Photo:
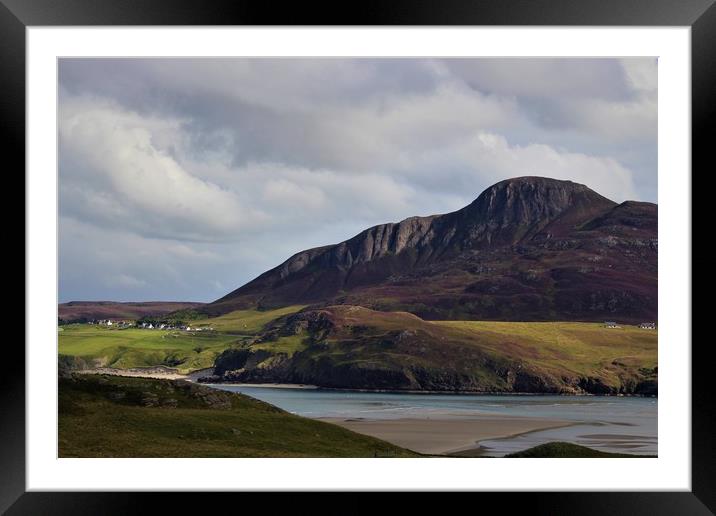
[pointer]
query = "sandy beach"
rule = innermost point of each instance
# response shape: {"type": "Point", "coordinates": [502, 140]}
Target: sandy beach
{"type": "Point", "coordinates": [166, 373]}
{"type": "Point", "coordinates": [149, 372]}
{"type": "Point", "coordinates": [458, 436]}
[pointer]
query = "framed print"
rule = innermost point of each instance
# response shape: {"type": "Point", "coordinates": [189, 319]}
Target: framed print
{"type": "Point", "coordinates": [413, 250]}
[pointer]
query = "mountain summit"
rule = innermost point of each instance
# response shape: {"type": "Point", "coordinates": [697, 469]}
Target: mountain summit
{"type": "Point", "coordinates": [528, 248]}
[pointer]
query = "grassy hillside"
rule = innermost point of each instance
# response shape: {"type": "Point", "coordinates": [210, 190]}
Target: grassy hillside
{"type": "Point", "coordinates": [355, 347]}
{"type": "Point", "coordinates": [247, 322]}
{"type": "Point", "coordinates": [568, 450]}
{"type": "Point", "coordinates": [577, 347]}
{"type": "Point", "coordinates": [136, 417]}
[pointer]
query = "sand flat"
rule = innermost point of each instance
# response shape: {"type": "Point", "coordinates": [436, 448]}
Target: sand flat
{"type": "Point", "coordinates": [444, 436]}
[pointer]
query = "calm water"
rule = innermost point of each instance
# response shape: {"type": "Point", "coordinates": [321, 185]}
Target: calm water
{"type": "Point", "coordinates": [627, 425]}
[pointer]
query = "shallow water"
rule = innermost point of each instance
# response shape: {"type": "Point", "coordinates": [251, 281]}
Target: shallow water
{"type": "Point", "coordinates": [617, 424]}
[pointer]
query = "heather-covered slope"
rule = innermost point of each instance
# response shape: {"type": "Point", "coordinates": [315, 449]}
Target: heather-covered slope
{"type": "Point", "coordinates": [526, 249]}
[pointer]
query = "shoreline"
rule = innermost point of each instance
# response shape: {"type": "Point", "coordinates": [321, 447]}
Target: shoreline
{"type": "Point", "coordinates": [443, 434]}
{"type": "Point", "coordinates": [156, 372]}
{"type": "Point", "coordinates": [299, 386]}
{"type": "Point", "coordinates": [434, 392]}
{"type": "Point", "coordinates": [167, 373]}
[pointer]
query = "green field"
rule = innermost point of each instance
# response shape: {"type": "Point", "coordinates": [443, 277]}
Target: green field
{"type": "Point", "coordinates": [101, 346]}
{"type": "Point", "coordinates": [246, 322]}
{"type": "Point", "coordinates": [137, 417]}
{"type": "Point", "coordinates": [578, 347]}
{"type": "Point", "coordinates": [132, 347]}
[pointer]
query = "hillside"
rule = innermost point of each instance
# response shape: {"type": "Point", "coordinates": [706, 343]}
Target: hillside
{"type": "Point", "coordinates": [527, 249]}
{"type": "Point", "coordinates": [358, 348]}
{"type": "Point", "coordinates": [103, 416]}
{"type": "Point", "coordinates": [86, 346]}
{"type": "Point", "coordinates": [83, 311]}
{"type": "Point", "coordinates": [508, 294]}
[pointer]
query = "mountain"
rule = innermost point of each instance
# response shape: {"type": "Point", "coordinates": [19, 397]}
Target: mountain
{"type": "Point", "coordinates": [527, 249]}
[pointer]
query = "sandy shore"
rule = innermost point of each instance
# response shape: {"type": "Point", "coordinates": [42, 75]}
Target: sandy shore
{"type": "Point", "coordinates": [154, 372]}
{"type": "Point", "coordinates": [446, 436]}
{"type": "Point", "coordinates": [167, 373]}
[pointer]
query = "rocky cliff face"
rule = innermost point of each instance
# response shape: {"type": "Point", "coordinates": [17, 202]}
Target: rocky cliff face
{"type": "Point", "coordinates": [526, 248]}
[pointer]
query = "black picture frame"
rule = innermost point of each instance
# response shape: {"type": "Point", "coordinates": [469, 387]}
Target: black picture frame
{"type": "Point", "coordinates": [700, 15]}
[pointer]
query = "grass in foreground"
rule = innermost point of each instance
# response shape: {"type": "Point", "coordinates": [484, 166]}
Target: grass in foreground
{"type": "Point", "coordinates": [560, 449]}
{"type": "Point", "coordinates": [109, 416]}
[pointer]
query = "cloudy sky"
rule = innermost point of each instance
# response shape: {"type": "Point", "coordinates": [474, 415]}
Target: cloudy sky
{"type": "Point", "coordinates": [182, 179]}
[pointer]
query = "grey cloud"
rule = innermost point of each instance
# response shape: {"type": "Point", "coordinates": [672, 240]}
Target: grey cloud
{"type": "Point", "coordinates": [545, 77]}
{"type": "Point", "coordinates": [180, 177]}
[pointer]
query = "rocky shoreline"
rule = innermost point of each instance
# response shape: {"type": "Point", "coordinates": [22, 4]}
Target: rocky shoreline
{"type": "Point", "coordinates": [162, 372]}
{"type": "Point", "coordinates": [216, 381]}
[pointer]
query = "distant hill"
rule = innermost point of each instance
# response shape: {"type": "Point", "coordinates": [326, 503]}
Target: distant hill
{"type": "Point", "coordinates": [357, 348]}
{"type": "Point", "coordinates": [82, 311]}
{"type": "Point", "coordinates": [527, 249]}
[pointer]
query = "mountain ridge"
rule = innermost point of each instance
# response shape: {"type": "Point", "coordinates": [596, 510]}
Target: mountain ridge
{"type": "Point", "coordinates": [550, 219]}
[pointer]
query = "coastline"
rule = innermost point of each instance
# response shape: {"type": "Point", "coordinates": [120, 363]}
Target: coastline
{"type": "Point", "coordinates": [299, 386]}
{"type": "Point", "coordinates": [445, 433]}
{"type": "Point", "coordinates": [167, 373]}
